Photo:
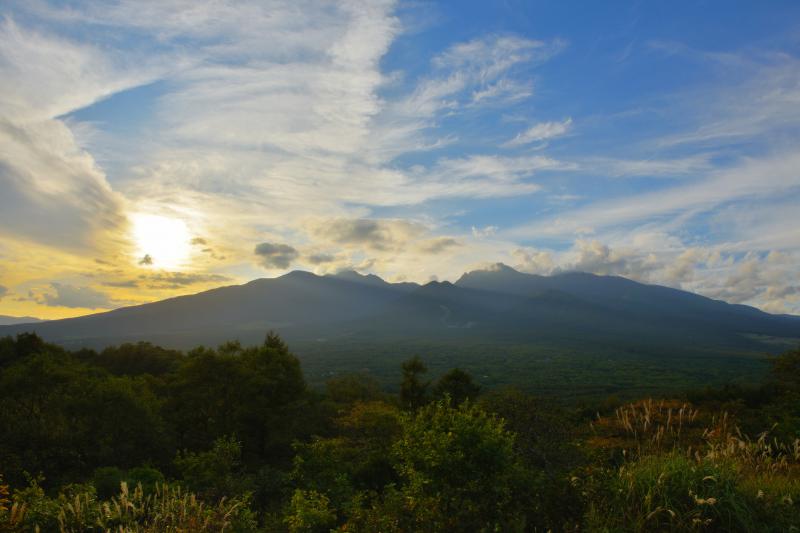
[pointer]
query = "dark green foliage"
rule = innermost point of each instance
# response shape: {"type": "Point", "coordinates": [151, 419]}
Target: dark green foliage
{"type": "Point", "coordinates": [107, 480]}
{"type": "Point", "coordinates": [413, 391]}
{"type": "Point", "coordinates": [457, 385]}
{"type": "Point", "coordinates": [215, 473]}
{"type": "Point", "coordinates": [237, 427]}
{"type": "Point", "coordinates": [546, 436]}
{"type": "Point", "coordinates": [252, 393]}
{"type": "Point", "coordinates": [786, 371]}
{"type": "Point", "coordinates": [459, 471]}
{"type": "Point", "coordinates": [134, 359]}
{"type": "Point", "coordinates": [350, 388]}
{"type": "Point", "coordinates": [65, 418]}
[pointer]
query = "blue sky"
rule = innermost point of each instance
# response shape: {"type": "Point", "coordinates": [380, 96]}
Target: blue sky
{"type": "Point", "coordinates": [415, 140]}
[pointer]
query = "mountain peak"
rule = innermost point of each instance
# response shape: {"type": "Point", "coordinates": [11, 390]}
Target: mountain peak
{"type": "Point", "coordinates": [298, 274]}
{"type": "Point", "coordinates": [496, 270]}
{"type": "Point", "coordinates": [356, 277]}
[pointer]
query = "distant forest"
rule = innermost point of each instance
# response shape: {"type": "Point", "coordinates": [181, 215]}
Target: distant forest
{"type": "Point", "coordinates": [138, 438]}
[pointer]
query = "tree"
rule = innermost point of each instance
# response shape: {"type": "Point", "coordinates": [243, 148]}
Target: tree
{"type": "Point", "coordinates": [458, 471]}
{"type": "Point", "coordinates": [786, 370]}
{"type": "Point", "coordinates": [458, 385]}
{"type": "Point", "coordinates": [215, 473]}
{"type": "Point", "coordinates": [412, 390]}
{"type": "Point", "coordinates": [253, 393]}
{"type": "Point", "coordinates": [64, 418]}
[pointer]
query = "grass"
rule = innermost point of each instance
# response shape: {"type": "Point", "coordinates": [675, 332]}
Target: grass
{"type": "Point", "coordinates": [167, 508]}
{"type": "Point", "coordinates": [684, 470]}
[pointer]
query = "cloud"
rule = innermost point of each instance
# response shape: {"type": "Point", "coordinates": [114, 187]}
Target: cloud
{"type": "Point", "coordinates": [320, 258]}
{"type": "Point", "coordinates": [540, 132]}
{"type": "Point", "coordinates": [76, 297]}
{"type": "Point", "coordinates": [122, 284]}
{"type": "Point", "coordinates": [771, 176]}
{"type": "Point", "coordinates": [374, 234]}
{"type": "Point", "coordinates": [198, 241]}
{"type": "Point", "coordinates": [533, 261]}
{"type": "Point", "coordinates": [437, 245]}
{"type": "Point", "coordinates": [477, 71]}
{"type": "Point", "coordinates": [146, 260]}
{"type": "Point", "coordinates": [51, 190]}
{"type": "Point", "coordinates": [175, 280]}
{"type": "Point", "coordinates": [276, 255]}
{"type": "Point", "coordinates": [3, 291]}
{"type": "Point", "coordinates": [658, 167]}
{"type": "Point", "coordinates": [486, 231]}
{"type": "Point", "coordinates": [167, 280]}
{"type": "Point", "coordinates": [53, 75]}
{"type": "Point", "coordinates": [766, 280]}
{"type": "Point", "coordinates": [756, 99]}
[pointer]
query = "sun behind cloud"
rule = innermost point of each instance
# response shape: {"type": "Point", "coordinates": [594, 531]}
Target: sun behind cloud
{"type": "Point", "coordinates": [161, 241]}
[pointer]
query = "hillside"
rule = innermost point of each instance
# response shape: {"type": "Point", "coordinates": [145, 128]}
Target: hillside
{"type": "Point", "coordinates": [507, 326]}
{"type": "Point", "coordinates": [499, 303]}
{"type": "Point", "coordinates": [6, 320]}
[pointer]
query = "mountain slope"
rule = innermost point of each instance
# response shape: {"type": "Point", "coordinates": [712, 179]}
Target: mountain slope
{"type": "Point", "coordinates": [621, 295]}
{"type": "Point", "coordinates": [495, 305]}
{"type": "Point", "coordinates": [6, 320]}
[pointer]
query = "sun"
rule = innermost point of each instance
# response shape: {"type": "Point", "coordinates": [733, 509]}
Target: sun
{"type": "Point", "coordinates": [164, 240]}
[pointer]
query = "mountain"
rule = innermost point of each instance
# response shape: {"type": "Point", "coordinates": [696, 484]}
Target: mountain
{"type": "Point", "coordinates": [508, 326]}
{"type": "Point", "coordinates": [626, 297]}
{"type": "Point", "coordinates": [499, 302]}
{"type": "Point", "coordinates": [6, 320]}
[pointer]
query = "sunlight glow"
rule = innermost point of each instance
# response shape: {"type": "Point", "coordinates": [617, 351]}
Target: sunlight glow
{"type": "Point", "coordinates": [165, 240]}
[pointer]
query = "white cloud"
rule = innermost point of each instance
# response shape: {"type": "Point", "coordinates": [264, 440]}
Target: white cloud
{"type": "Point", "coordinates": [540, 132]}
{"type": "Point", "coordinates": [760, 178]}
{"type": "Point", "coordinates": [486, 231]}
{"type": "Point", "coordinates": [696, 165]}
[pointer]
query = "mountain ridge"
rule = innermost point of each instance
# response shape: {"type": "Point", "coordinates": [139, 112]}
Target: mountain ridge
{"type": "Point", "coordinates": [499, 302]}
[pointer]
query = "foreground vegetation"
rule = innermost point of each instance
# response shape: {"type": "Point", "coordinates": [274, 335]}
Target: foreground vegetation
{"type": "Point", "coordinates": [141, 439]}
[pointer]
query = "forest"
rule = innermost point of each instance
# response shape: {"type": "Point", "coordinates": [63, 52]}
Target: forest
{"type": "Point", "coordinates": [139, 438]}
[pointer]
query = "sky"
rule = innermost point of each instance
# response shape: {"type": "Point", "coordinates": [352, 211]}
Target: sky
{"type": "Point", "coordinates": [151, 149]}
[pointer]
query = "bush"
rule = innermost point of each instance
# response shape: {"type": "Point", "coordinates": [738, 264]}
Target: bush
{"type": "Point", "coordinates": [310, 512]}
{"type": "Point", "coordinates": [459, 471]}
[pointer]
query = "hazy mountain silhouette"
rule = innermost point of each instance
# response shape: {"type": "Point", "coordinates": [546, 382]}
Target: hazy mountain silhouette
{"type": "Point", "coordinates": [6, 320]}
{"type": "Point", "coordinates": [497, 304]}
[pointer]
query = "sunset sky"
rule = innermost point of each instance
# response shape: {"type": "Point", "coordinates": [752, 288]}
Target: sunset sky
{"type": "Point", "coordinates": [150, 149]}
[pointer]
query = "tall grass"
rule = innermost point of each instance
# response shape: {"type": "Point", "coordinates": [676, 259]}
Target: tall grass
{"type": "Point", "coordinates": [679, 476]}
{"type": "Point", "coordinates": [168, 508]}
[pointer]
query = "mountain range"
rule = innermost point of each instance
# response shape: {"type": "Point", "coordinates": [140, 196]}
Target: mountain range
{"type": "Point", "coordinates": [498, 304]}
{"type": "Point", "coordinates": [6, 320]}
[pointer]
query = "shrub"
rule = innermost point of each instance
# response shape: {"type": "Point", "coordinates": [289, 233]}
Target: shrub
{"type": "Point", "coordinates": [310, 512]}
{"type": "Point", "coordinates": [459, 471]}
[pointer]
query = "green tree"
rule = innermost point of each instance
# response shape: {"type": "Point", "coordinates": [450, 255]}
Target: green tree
{"type": "Point", "coordinates": [65, 419]}
{"type": "Point", "coordinates": [215, 473]}
{"type": "Point", "coordinates": [458, 385]}
{"type": "Point", "coordinates": [355, 462]}
{"type": "Point", "coordinates": [786, 371]}
{"type": "Point", "coordinates": [458, 471]}
{"type": "Point", "coordinates": [413, 392]}
{"type": "Point", "coordinates": [254, 393]}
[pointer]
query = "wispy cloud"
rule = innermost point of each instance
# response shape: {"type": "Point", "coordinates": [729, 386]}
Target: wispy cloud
{"type": "Point", "coordinates": [540, 132]}
{"type": "Point", "coordinates": [324, 139]}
